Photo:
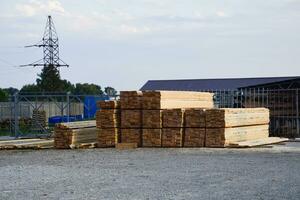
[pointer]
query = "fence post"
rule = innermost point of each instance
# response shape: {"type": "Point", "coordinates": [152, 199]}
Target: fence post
{"type": "Point", "coordinates": [68, 106]}
{"type": "Point", "coordinates": [16, 114]}
{"type": "Point", "coordinates": [297, 111]}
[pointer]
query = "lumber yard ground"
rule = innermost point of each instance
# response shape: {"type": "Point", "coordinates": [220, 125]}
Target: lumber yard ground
{"type": "Point", "coordinates": [257, 173]}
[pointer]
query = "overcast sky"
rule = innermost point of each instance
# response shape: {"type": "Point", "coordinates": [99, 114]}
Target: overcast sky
{"type": "Point", "coordinates": [124, 43]}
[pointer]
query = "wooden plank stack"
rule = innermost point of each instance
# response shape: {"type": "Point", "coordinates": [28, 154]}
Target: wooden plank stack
{"type": "Point", "coordinates": [131, 117]}
{"type": "Point", "coordinates": [194, 132]}
{"type": "Point", "coordinates": [108, 120]}
{"type": "Point", "coordinates": [172, 133]}
{"type": "Point", "coordinates": [72, 134]}
{"type": "Point", "coordinates": [163, 115]}
{"type": "Point", "coordinates": [176, 99]}
{"type": "Point", "coordinates": [230, 125]}
{"type": "Point", "coordinates": [177, 119]}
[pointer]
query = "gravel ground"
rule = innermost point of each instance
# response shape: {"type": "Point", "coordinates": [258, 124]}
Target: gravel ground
{"type": "Point", "coordinates": [261, 173]}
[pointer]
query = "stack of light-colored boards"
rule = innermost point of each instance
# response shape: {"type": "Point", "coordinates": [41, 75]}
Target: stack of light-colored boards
{"type": "Point", "coordinates": [231, 125]}
{"type": "Point", "coordinates": [75, 134]}
{"type": "Point", "coordinates": [108, 123]}
{"type": "Point", "coordinates": [131, 117]}
{"type": "Point", "coordinates": [163, 115]}
{"type": "Point", "coordinates": [176, 99]}
{"type": "Point", "coordinates": [26, 144]}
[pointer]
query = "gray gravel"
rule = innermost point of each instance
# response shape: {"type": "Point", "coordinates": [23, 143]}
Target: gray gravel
{"type": "Point", "coordinates": [263, 173]}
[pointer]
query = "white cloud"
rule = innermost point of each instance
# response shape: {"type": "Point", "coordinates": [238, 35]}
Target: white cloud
{"type": "Point", "coordinates": [221, 13]}
{"type": "Point", "coordinates": [134, 29]}
{"type": "Point", "coordinates": [35, 7]}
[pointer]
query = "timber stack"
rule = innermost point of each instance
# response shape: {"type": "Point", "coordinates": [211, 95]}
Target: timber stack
{"type": "Point", "coordinates": [131, 117]}
{"type": "Point", "coordinates": [194, 131]}
{"type": "Point", "coordinates": [75, 134]}
{"type": "Point", "coordinates": [231, 125]}
{"type": "Point", "coordinates": [108, 123]}
{"type": "Point", "coordinates": [178, 119]}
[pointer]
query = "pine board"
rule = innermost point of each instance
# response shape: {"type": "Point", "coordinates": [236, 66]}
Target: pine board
{"type": "Point", "coordinates": [221, 137]}
{"type": "Point", "coordinates": [233, 117]}
{"type": "Point", "coordinates": [176, 99]}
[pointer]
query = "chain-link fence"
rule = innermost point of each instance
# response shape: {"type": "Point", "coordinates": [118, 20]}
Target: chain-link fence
{"type": "Point", "coordinates": [27, 114]}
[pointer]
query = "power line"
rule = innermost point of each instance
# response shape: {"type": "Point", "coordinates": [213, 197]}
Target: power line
{"type": "Point", "coordinates": [50, 48]}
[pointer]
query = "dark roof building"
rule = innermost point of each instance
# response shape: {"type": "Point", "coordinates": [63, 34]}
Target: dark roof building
{"type": "Point", "coordinates": [223, 84]}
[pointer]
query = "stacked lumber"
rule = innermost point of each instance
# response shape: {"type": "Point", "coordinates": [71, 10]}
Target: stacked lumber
{"type": "Point", "coordinates": [131, 117]}
{"type": "Point", "coordinates": [73, 134]}
{"type": "Point", "coordinates": [152, 137]}
{"type": "Point", "coordinates": [231, 117]}
{"type": "Point", "coordinates": [176, 99]}
{"type": "Point", "coordinates": [152, 119]}
{"type": "Point", "coordinates": [194, 131]}
{"type": "Point", "coordinates": [111, 104]}
{"type": "Point", "coordinates": [38, 119]}
{"type": "Point", "coordinates": [131, 135]}
{"type": "Point", "coordinates": [172, 133]}
{"type": "Point", "coordinates": [222, 137]}
{"type": "Point", "coordinates": [152, 128]}
{"type": "Point", "coordinates": [26, 144]}
{"type": "Point", "coordinates": [131, 100]}
{"type": "Point", "coordinates": [108, 120]}
{"type": "Point", "coordinates": [194, 137]}
{"type": "Point", "coordinates": [231, 125]}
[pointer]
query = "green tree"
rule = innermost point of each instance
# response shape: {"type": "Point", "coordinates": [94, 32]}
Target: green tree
{"type": "Point", "coordinates": [68, 86]}
{"type": "Point", "coordinates": [110, 91]}
{"type": "Point", "coordinates": [11, 90]}
{"type": "Point", "coordinates": [30, 88]}
{"type": "Point", "coordinates": [3, 95]}
{"type": "Point", "coordinates": [49, 80]}
{"type": "Point", "coordinates": [89, 89]}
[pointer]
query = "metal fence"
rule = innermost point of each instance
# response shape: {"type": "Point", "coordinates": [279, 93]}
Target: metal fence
{"type": "Point", "coordinates": [284, 106]}
{"type": "Point", "coordinates": [27, 114]}
{"type": "Point", "coordinates": [31, 115]}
